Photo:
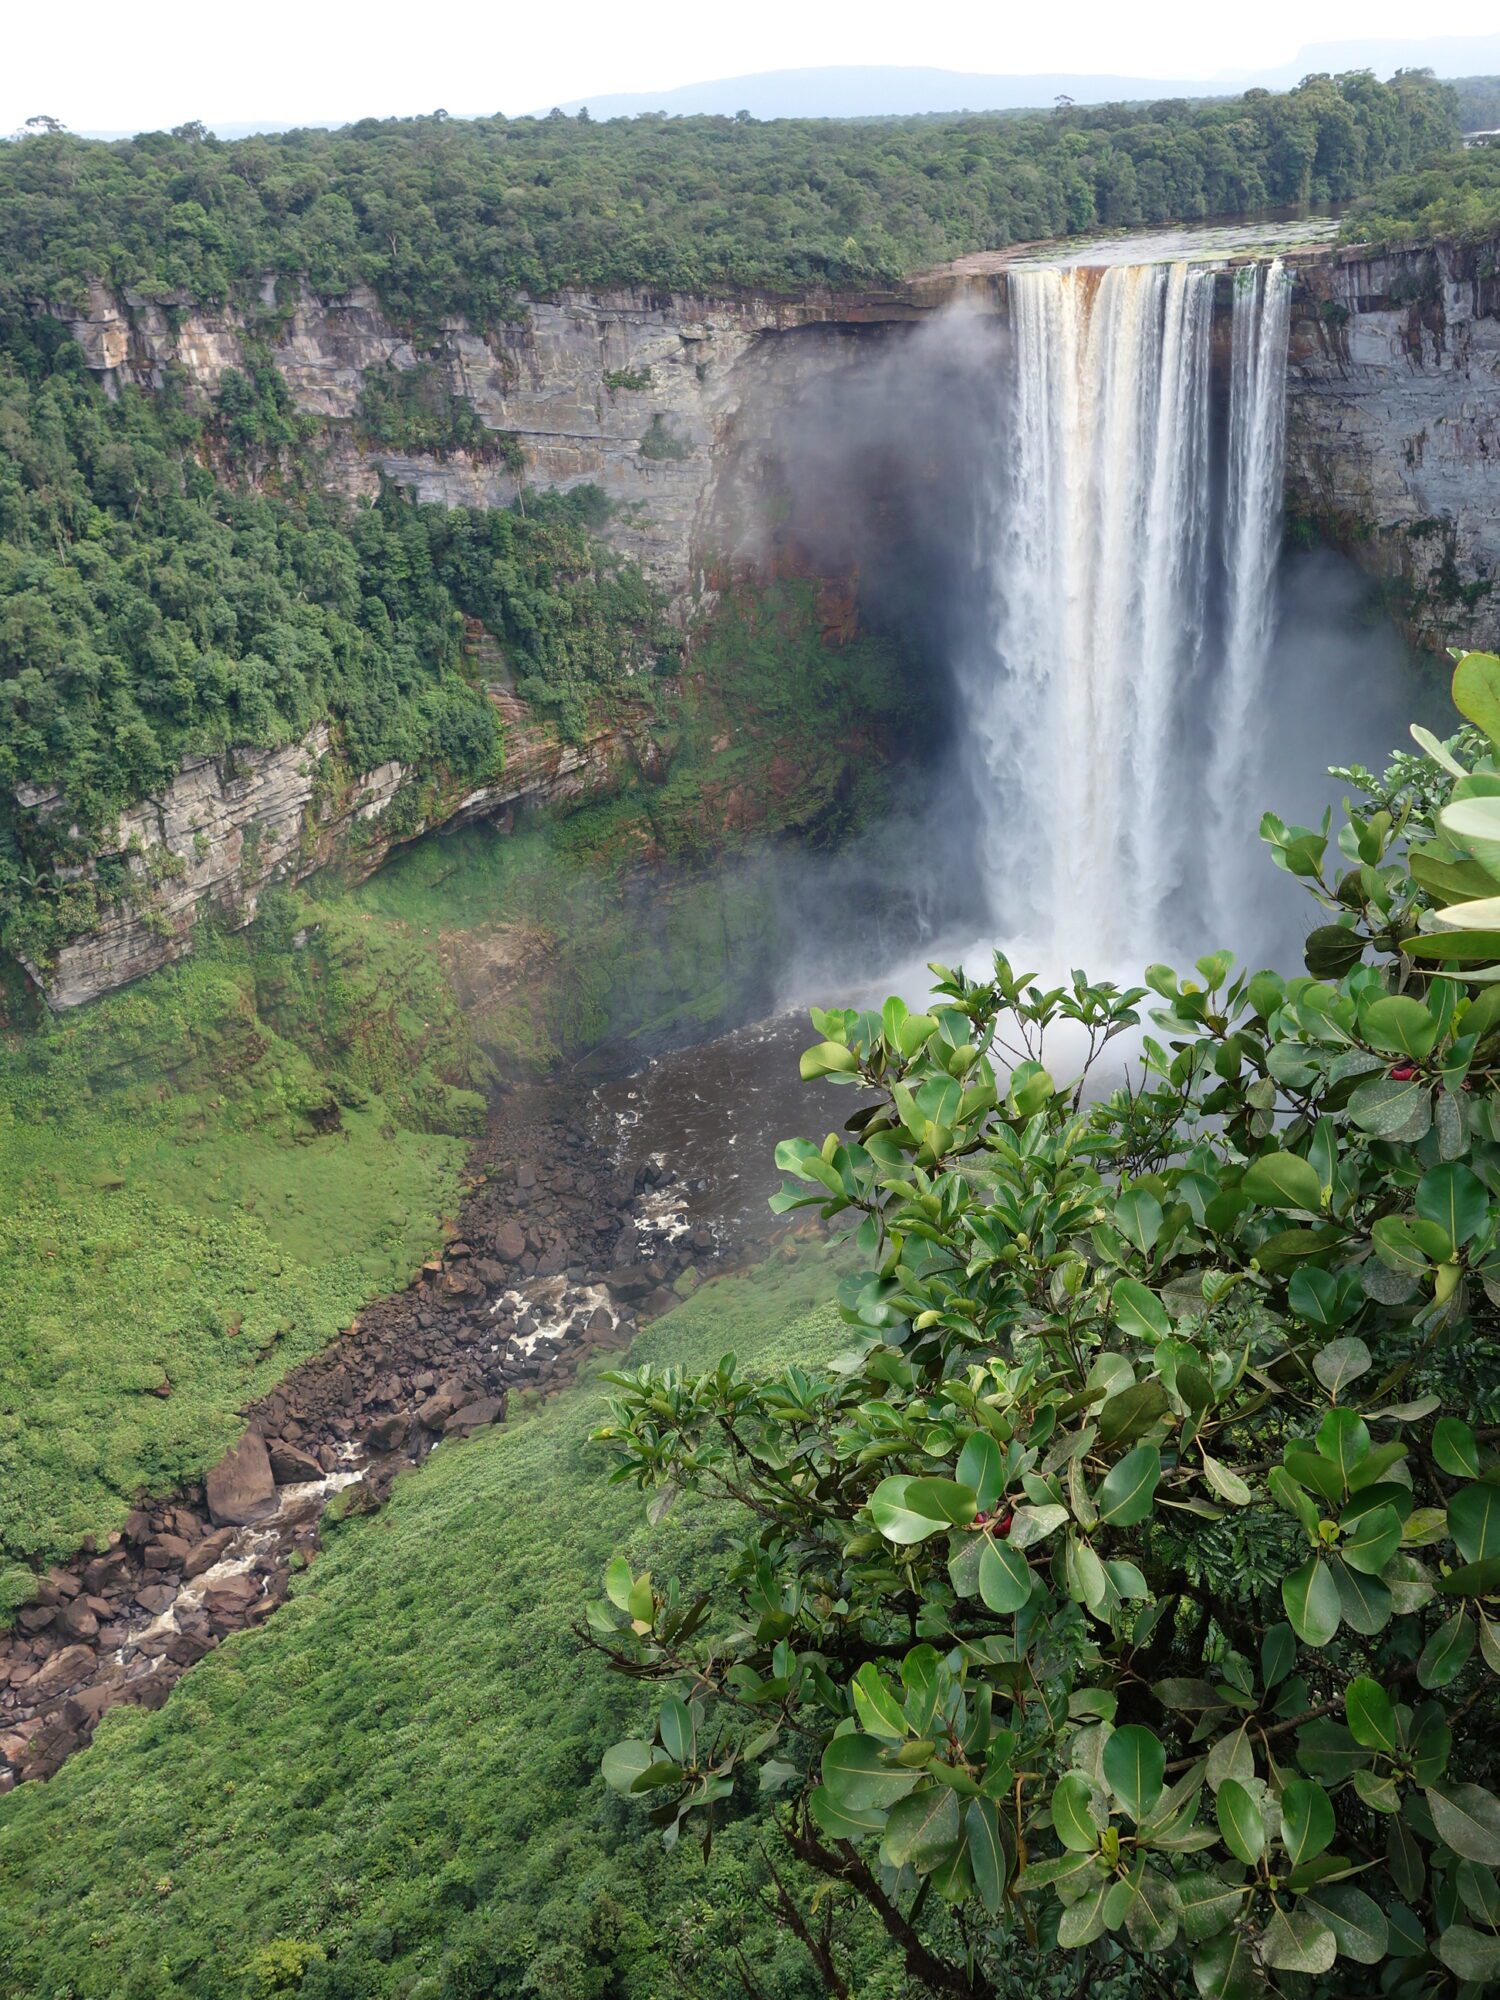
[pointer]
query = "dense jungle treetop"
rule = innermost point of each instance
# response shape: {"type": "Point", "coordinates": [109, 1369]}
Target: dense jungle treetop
{"type": "Point", "coordinates": [445, 216]}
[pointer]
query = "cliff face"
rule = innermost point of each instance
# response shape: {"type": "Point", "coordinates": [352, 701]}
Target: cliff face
{"type": "Point", "coordinates": [1393, 450]}
{"type": "Point", "coordinates": [1393, 428]}
{"type": "Point", "coordinates": [634, 392]}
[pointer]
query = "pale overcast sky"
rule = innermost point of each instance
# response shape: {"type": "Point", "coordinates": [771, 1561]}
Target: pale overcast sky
{"type": "Point", "coordinates": [98, 67]}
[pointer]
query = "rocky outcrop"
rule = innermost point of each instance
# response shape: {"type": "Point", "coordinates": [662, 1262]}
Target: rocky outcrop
{"type": "Point", "coordinates": [227, 827]}
{"type": "Point", "coordinates": [632, 391]}
{"type": "Point", "coordinates": [1393, 428]}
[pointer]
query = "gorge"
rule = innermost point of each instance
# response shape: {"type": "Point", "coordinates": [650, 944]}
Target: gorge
{"type": "Point", "coordinates": [384, 1081]}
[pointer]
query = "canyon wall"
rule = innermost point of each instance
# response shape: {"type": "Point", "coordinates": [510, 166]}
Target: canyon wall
{"type": "Point", "coordinates": [1393, 429]}
{"type": "Point", "coordinates": [1393, 451]}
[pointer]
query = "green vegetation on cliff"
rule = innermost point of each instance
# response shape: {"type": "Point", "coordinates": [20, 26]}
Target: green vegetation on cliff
{"type": "Point", "coordinates": [394, 1784]}
{"type": "Point", "coordinates": [149, 609]}
{"type": "Point", "coordinates": [443, 216]}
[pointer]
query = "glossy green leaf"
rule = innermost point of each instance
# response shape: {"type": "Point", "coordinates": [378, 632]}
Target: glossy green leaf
{"type": "Point", "coordinates": [922, 1830]}
{"type": "Point", "coordinates": [1076, 1816]}
{"type": "Point", "coordinates": [1467, 1818]}
{"type": "Point", "coordinates": [1307, 1824]}
{"type": "Point", "coordinates": [1356, 1920]}
{"type": "Point", "coordinates": [1283, 1180]}
{"type": "Point", "coordinates": [1240, 1821]}
{"type": "Point", "coordinates": [1474, 1521]}
{"type": "Point", "coordinates": [1004, 1576]}
{"type": "Point", "coordinates": [1372, 1720]}
{"type": "Point", "coordinates": [859, 1775]}
{"type": "Point", "coordinates": [1446, 1653]}
{"type": "Point", "coordinates": [1135, 1765]}
{"type": "Point", "coordinates": [1311, 1598]}
{"type": "Point", "coordinates": [1129, 1488]}
{"type": "Point", "coordinates": [1454, 1448]}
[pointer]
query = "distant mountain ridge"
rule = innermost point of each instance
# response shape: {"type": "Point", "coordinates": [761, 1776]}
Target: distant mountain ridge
{"type": "Point", "coordinates": [873, 91]}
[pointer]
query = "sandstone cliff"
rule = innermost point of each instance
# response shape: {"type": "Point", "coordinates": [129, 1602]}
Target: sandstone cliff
{"type": "Point", "coordinates": [1393, 431]}
{"type": "Point", "coordinates": [1393, 449]}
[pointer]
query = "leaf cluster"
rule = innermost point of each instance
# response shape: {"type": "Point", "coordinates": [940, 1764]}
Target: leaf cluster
{"type": "Point", "coordinates": [1246, 1298]}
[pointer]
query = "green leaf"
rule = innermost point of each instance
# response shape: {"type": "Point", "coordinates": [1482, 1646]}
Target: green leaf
{"type": "Point", "coordinates": [623, 1763]}
{"type": "Point", "coordinates": [1476, 694]}
{"type": "Point", "coordinates": [1341, 1361]}
{"type": "Point", "coordinates": [1085, 1920]}
{"type": "Point", "coordinates": [675, 1725]}
{"type": "Point", "coordinates": [1446, 1653]}
{"type": "Point", "coordinates": [1152, 1919]}
{"type": "Point", "coordinates": [1331, 950]}
{"type": "Point", "coordinates": [1138, 1218]}
{"type": "Point", "coordinates": [1372, 1720]}
{"type": "Point", "coordinates": [844, 1822]}
{"type": "Point", "coordinates": [987, 1852]}
{"type": "Point", "coordinates": [1454, 1448]}
{"type": "Point", "coordinates": [1357, 1922]}
{"type": "Point", "coordinates": [1364, 1601]}
{"type": "Point", "coordinates": [1129, 1488]}
{"type": "Point", "coordinates": [1467, 1818]}
{"type": "Point", "coordinates": [1205, 1904]}
{"type": "Point", "coordinates": [980, 1469]}
{"type": "Point", "coordinates": [1296, 1941]}
{"type": "Point", "coordinates": [1311, 1598]}
{"type": "Point", "coordinates": [1228, 1485]}
{"type": "Point", "coordinates": [1469, 1954]}
{"type": "Point", "coordinates": [1283, 1180]}
{"type": "Point", "coordinates": [876, 1705]}
{"type": "Point", "coordinates": [1132, 1411]}
{"type": "Point", "coordinates": [1135, 1766]}
{"type": "Point", "coordinates": [1306, 1820]}
{"type": "Point", "coordinates": [618, 1583]}
{"type": "Point", "coordinates": [1456, 1199]}
{"type": "Point", "coordinates": [859, 1777]}
{"type": "Point", "coordinates": [1400, 1025]}
{"type": "Point", "coordinates": [1372, 1540]}
{"type": "Point", "coordinates": [1139, 1311]}
{"type": "Point", "coordinates": [1278, 1655]}
{"type": "Point", "coordinates": [1387, 1107]}
{"type": "Point", "coordinates": [908, 1510]}
{"type": "Point", "coordinates": [827, 1059]}
{"type": "Point", "coordinates": [1474, 1521]}
{"type": "Point", "coordinates": [1344, 1438]}
{"type": "Point", "coordinates": [1328, 1750]}
{"type": "Point", "coordinates": [1225, 1968]}
{"type": "Point", "coordinates": [1240, 1821]}
{"type": "Point", "coordinates": [922, 1830]}
{"type": "Point", "coordinates": [1076, 1816]}
{"type": "Point", "coordinates": [1004, 1576]}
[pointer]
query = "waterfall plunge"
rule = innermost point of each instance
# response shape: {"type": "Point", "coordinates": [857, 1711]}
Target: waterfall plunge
{"type": "Point", "coordinates": [1133, 558]}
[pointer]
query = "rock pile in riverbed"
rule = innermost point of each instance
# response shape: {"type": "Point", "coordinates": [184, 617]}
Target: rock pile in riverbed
{"type": "Point", "coordinates": [552, 1260]}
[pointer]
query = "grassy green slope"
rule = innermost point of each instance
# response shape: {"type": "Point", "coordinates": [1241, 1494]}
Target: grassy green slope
{"type": "Point", "coordinates": [401, 1770]}
{"type": "Point", "coordinates": [175, 1234]}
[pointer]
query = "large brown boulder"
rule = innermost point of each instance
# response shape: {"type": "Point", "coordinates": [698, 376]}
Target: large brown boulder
{"type": "Point", "coordinates": [240, 1488]}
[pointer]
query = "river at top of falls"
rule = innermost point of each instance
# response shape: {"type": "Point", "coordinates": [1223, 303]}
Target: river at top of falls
{"type": "Point", "coordinates": [1132, 537]}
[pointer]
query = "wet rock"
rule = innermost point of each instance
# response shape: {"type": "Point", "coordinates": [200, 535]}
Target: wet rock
{"type": "Point", "coordinates": [290, 1467]}
{"type": "Point", "coordinates": [209, 1551]}
{"type": "Point", "coordinates": [240, 1487]}
{"type": "Point", "coordinates": [389, 1434]}
{"type": "Point", "coordinates": [156, 1597]}
{"type": "Point", "coordinates": [58, 1675]}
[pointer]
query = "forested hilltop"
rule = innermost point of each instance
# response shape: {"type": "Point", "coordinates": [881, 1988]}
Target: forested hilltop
{"type": "Point", "coordinates": [444, 216]}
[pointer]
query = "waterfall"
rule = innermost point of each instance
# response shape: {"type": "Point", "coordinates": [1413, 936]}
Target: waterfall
{"type": "Point", "coordinates": [1115, 704]}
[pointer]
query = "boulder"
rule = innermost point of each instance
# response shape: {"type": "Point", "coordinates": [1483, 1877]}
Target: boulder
{"type": "Point", "coordinates": [209, 1551]}
{"type": "Point", "coordinates": [167, 1552]}
{"type": "Point", "coordinates": [240, 1488]}
{"type": "Point", "coordinates": [79, 1622]}
{"type": "Point", "coordinates": [58, 1675]}
{"type": "Point", "coordinates": [155, 1597]}
{"type": "Point", "coordinates": [474, 1416]}
{"type": "Point", "coordinates": [388, 1434]}
{"type": "Point", "coordinates": [291, 1467]}
{"type": "Point", "coordinates": [510, 1242]}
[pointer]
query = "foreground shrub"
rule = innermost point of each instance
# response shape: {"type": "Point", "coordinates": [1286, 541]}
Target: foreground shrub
{"type": "Point", "coordinates": [1128, 1587]}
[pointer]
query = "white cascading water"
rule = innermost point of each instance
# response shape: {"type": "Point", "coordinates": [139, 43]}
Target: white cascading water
{"type": "Point", "coordinates": [1120, 619]}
